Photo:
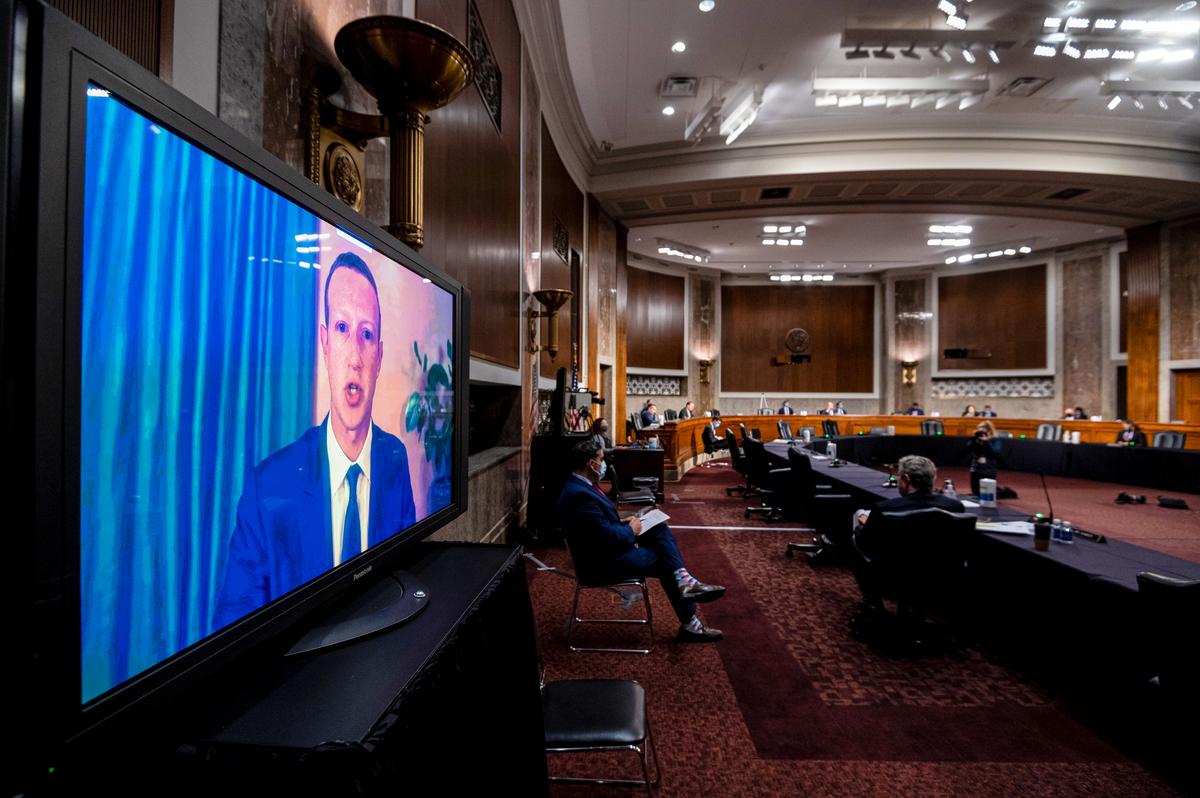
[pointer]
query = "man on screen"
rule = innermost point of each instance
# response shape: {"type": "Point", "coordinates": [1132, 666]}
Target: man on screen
{"type": "Point", "coordinates": [343, 486]}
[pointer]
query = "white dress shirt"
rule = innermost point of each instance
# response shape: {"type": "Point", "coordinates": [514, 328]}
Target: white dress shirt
{"type": "Point", "coordinates": [339, 489]}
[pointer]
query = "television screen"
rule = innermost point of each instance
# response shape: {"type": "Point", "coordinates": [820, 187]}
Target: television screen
{"type": "Point", "coordinates": [577, 409]}
{"type": "Point", "coordinates": [263, 396]}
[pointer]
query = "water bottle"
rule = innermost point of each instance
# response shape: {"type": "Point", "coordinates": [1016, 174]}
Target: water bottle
{"type": "Point", "coordinates": [831, 450]}
{"type": "Point", "coordinates": [1067, 534]}
{"type": "Point", "coordinates": [948, 489]}
{"type": "Point", "coordinates": [1056, 531]}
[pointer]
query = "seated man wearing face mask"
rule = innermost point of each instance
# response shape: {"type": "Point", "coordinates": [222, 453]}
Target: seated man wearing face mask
{"type": "Point", "coordinates": [607, 548]}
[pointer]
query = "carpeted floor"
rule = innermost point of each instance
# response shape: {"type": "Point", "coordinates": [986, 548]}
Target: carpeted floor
{"type": "Point", "coordinates": [790, 704]}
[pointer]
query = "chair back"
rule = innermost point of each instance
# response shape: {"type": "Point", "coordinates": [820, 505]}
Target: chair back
{"type": "Point", "coordinates": [1049, 432]}
{"type": "Point", "coordinates": [922, 554]}
{"type": "Point", "coordinates": [1169, 439]}
{"type": "Point", "coordinates": [756, 461]}
{"type": "Point", "coordinates": [735, 452]}
{"type": "Point", "coordinates": [584, 576]}
{"type": "Point", "coordinates": [670, 415]}
{"type": "Point", "coordinates": [831, 428]}
{"type": "Point", "coordinates": [803, 479]}
{"type": "Point", "coordinates": [636, 419]}
{"type": "Point", "coordinates": [708, 438]}
{"type": "Point", "coordinates": [932, 426]}
{"type": "Point", "coordinates": [747, 433]}
{"type": "Point", "coordinates": [1168, 609]}
{"type": "Point", "coordinates": [785, 430]}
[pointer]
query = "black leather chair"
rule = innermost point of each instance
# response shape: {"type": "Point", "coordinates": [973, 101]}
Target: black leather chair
{"type": "Point", "coordinates": [932, 426]}
{"type": "Point", "coordinates": [670, 415]}
{"type": "Point", "coordinates": [588, 715]}
{"type": "Point", "coordinates": [770, 484]}
{"type": "Point", "coordinates": [587, 580]}
{"type": "Point", "coordinates": [1169, 439]}
{"type": "Point", "coordinates": [785, 430]}
{"type": "Point", "coordinates": [830, 428]}
{"type": "Point", "coordinates": [1049, 432]}
{"type": "Point", "coordinates": [1168, 611]}
{"type": "Point", "coordinates": [636, 420]}
{"type": "Point", "coordinates": [754, 433]}
{"type": "Point", "coordinates": [639, 495]}
{"type": "Point", "coordinates": [826, 511]}
{"type": "Point", "coordinates": [739, 464]}
{"type": "Point", "coordinates": [919, 558]}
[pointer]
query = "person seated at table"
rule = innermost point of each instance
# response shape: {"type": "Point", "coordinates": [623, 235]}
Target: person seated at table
{"type": "Point", "coordinates": [600, 433]}
{"type": "Point", "coordinates": [987, 412]}
{"type": "Point", "coordinates": [714, 441]}
{"type": "Point", "coordinates": [1130, 435]}
{"type": "Point", "coordinates": [970, 411]}
{"type": "Point", "coordinates": [650, 416]}
{"type": "Point", "coordinates": [688, 411]}
{"type": "Point", "coordinates": [786, 409]}
{"type": "Point", "coordinates": [983, 449]}
{"type": "Point", "coordinates": [828, 411]}
{"type": "Point", "coordinates": [839, 409]}
{"type": "Point", "coordinates": [1075, 413]}
{"type": "Point", "coordinates": [914, 410]}
{"type": "Point", "coordinates": [918, 475]}
{"type": "Point", "coordinates": [608, 548]}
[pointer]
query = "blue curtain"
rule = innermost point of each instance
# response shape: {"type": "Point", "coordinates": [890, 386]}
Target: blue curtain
{"type": "Point", "coordinates": [198, 358]}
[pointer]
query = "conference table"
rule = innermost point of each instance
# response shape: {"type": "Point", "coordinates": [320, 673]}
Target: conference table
{"type": "Point", "coordinates": [1115, 562]}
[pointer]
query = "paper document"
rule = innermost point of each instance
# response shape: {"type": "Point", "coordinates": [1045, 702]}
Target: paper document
{"type": "Point", "coordinates": [969, 503]}
{"type": "Point", "coordinates": [1006, 527]}
{"type": "Point", "coordinates": [653, 518]}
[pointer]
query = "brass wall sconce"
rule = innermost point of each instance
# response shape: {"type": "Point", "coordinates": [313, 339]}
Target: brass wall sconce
{"type": "Point", "coordinates": [705, 365]}
{"type": "Point", "coordinates": [551, 299]}
{"type": "Point", "coordinates": [908, 372]}
{"type": "Point", "coordinates": [410, 67]}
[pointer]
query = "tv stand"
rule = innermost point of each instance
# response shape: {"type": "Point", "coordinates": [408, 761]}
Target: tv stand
{"type": "Point", "coordinates": [390, 602]}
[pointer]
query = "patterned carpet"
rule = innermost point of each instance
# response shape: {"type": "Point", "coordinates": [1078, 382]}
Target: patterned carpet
{"type": "Point", "coordinates": [790, 704]}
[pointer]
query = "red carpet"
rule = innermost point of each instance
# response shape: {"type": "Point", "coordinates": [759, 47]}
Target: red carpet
{"type": "Point", "coordinates": [790, 704]}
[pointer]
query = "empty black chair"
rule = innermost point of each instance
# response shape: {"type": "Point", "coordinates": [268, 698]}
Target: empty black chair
{"type": "Point", "coordinates": [587, 715]}
{"type": "Point", "coordinates": [639, 495]}
{"type": "Point", "coordinates": [830, 428]}
{"type": "Point", "coordinates": [932, 426]}
{"type": "Point", "coordinates": [826, 511]}
{"type": "Point", "coordinates": [739, 464]}
{"type": "Point", "coordinates": [1049, 432]}
{"type": "Point", "coordinates": [919, 558]}
{"type": "Point", "coordinates": [670, 415]}
{"type": "Point", "coordinates": [1168, 609]}
{"type": "Point", "coordinates": [753, 433]}
{"type": "Point", "coordinates": [1169, 439]}
{"type": "Point", "coordinates": [769, 483]}
{"type": "Point", "coordinates": [785, 430]}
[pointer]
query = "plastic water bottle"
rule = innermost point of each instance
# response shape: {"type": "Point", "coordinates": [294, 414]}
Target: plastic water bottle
{"type": "Point", "coordinates": [1056, 530]}
{"type": "Point", "coordinates": [948, 489]}
{"type": "Point", "coordinates": [1067, 533]}
{"type": "Point", "coordinates": [831, 450]}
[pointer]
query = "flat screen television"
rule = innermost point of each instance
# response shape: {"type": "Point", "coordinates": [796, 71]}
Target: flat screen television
{"type": "Point", "coordinates": [239, 395]}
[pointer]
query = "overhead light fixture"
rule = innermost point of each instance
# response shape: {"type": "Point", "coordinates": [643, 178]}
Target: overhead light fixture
{"type": "Point", "coordinates": [992, 54]}
{"type": "Point", "coordinates": [968, 56]}
{"type": "Point", "coordinates": [850, 101]}
{"type": "Point", "coordinates": [947, 7]}
{"type": "Point", "coordinates": [678, 47]}
{"type": "Point", "coordinates": [922, 99]}
{"type": "Point", "coordinates": [940, 52]}
{"type": "Point", "coordinates": [770, 228]}
{"type": "Point", "coordinates": [1188, 6]}
{"type": "Point", "coordinates": [898, 100]}
{"type": "Point", "coordinates": [1124, 55]}
{"type": "Point", "coordinates": [768, 242]}
{"type": "Point", "coordinates": [668, 110]}
{"type": "Point", "coordinates": [957, 21]}
{"type": "Point", "coordinates": [1073, 5]}
{"type": "Point", "coordinates": [951, 228]}
{"type": "Point", "coordinates": [1010, 252]}
{"type": "Point", "coordinates": [1095, 52]}
{"type": "Point", "coordinates": [1025, 250]}
{"type": "Point", "coordinates": [796, 242]}
{"type": "Point", "coordinates": [744, 112]}
{"type": "Point", "coordinates": [1138, 104]}
{"type": "Point", "coordinates": [1104, 24]}
{"type": "Point", "coordinates": [952, 259]}
{"type": "Point", "coordinates": [969, 100]}
{"type": "Point", "coordinates": [1045, 50]}
{"type": "Point", "coordinates": [857, 52]}
{"type": "Point", "coordinates": [943, 101]}
{"type": "Point", "coordinates": [1162, 103]}
{"type": "Point", "coordinates": [1078, 23]}
{"type": "Point", "coordinates": [698, 128]}
{"type": "Point", "coordinates": [1052, 23]}
{"type": "Point", "coordinates": [911, 52]}
{"type": "Point", "coordinates": [874, 101]}
{"type": "Point", "coordinates": [826, 100]}
{"type": "Point", "coordinates": [1071, 51]}
{"type": "Point", "coordinates": [707, 5]}
{"type": "Point", "coordinates": [1186, 102]}
{"type": "Point", "coordinates": [676, 250]}
{"type": "Point", "coordinates": [1114, 102]}
{"type": "Point", "coordinates": [884, 52]}
{"type": "Point", "coordinates": [785, 228]}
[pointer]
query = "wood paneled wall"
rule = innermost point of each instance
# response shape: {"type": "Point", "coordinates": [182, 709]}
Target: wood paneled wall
{"type": "Point", "coordinates": [1003, 312]}
{"type": "Point", "coordinates": [1142, 330]}
{"type": "Point", "coordinates": [141, 29]}
{"type": "Point", "coordinates": [655, 320]}
{"type": "Point", "coordinates": [840, 321]}
{"type": "Point", "coordinates": [473, 186]}
{"type": "Point", "coordinates": [621, 409]}
{"type": "Point", "coordinates": [562, 202]}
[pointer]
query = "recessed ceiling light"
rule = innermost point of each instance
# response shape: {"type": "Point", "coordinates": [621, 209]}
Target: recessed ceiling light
{"type": "Point", "coordinates": [1188, 6]}
{"type": "Point", "coordinates": [678, 47]}
{"type": "Point", "coordinates": [1025, 250]}
{"type": "Point", "coordinates": [707, 5]}
{"type": "Point", "coordinates": [1073, 5]}
{"type": "Point", "coordinates": [1045, 50]}
{"type": "Point", "coordinates": [1114, 102]}
{"type": "Point", "coordinates": [785, 228]}
{"type": "Point", "coordinates": [957, 21]}
{"type": "Point", "coordinates": [669, 110]}
{"type": "Point", "coordinates": [770, 228]}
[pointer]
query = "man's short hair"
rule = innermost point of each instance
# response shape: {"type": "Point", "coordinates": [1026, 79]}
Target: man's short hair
{"type": "Point", "coordinates": [921, 472]}
{"type": "Point", "coordinates": [348, 260]}
{"type": "Point", "coordinates": [583, 453]}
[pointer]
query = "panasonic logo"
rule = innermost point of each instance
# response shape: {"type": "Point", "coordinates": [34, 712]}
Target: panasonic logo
{"type": "Point", "coordinates": [363, 572]}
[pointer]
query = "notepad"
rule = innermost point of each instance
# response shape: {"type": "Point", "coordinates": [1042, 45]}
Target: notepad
{"type": "Point", "coordinates": [1006, 527]}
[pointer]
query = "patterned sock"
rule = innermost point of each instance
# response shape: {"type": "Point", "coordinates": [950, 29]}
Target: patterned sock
{"type": "Point", "coordinates": [683, 579]}
{"type": "Point", "coordinates": [694, 625]}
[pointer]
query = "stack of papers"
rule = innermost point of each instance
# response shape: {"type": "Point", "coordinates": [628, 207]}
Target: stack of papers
{"type": "Point", "coordinates": [1006, 527]}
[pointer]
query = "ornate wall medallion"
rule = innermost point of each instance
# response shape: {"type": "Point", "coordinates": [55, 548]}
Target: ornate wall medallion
{"type": "Point", "coordinates": [342, 175]}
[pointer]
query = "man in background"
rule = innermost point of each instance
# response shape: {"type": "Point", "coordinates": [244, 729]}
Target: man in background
{"type": "Point", "coordinates": [786, 409]}
{"type": "Point", "coordinates": [688, 411]}
{"type": "Point", "coordinates": [650, 416]}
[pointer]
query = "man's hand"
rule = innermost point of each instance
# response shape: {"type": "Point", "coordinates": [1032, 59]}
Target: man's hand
{"type": "Point", "coordinates": [635, 524]}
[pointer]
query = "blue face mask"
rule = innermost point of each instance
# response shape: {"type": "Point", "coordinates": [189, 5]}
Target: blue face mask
{"type": "Point", "coordinates": [603, 469]}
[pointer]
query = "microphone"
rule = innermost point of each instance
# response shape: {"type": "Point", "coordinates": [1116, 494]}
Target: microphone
{"type": "Point", "coordinates": [1042, 474]}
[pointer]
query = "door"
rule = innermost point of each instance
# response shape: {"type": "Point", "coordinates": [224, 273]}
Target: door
{"type": "Point", "coordinates": [1187, 396]}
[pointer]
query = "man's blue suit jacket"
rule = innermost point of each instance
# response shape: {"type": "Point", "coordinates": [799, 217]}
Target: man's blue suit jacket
{"type": "Point", "coordinates": [283, 536]}
{"type": "Point", "coordinates": [593, 528]}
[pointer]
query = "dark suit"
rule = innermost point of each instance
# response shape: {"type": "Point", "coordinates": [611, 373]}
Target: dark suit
{"type": "Point", "coordinates": [868, 579]}
{"type": "Point", "coordinates": [650, 419]}
{"type": "Point", "coordinates": [685, 413]}
{"type": "Point", "coordinates": [712, 441]}
{"type": "Point", "coordinates": [603, 547]}
{"type": "Point", "coordinates": [284, 537]}
{"type": "Point", "coordinates": [786, 411]}
{"type": "Point", "coordinates": [1135, 438]}
{"type": "Point", "coordinates": [914, 411]}
{"type": "Point", "coordinates": [986, 414]}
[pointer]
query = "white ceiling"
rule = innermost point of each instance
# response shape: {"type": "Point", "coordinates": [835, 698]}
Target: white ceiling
{"type": "Point", "coordinates": [619, 51]}
{"type": "Point", "coordinates": [856, 242]}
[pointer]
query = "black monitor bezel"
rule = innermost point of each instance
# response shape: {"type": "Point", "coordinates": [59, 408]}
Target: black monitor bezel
{"type": "Point", "coordinates": [63, 60]}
